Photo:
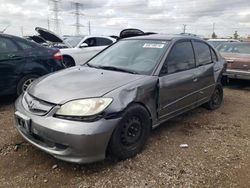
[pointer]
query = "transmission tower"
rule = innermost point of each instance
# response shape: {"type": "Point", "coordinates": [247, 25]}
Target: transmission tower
{"type": "Point", "coordinates": [55, 9]}
{"type": "Point", "coordinates": [77, 12]}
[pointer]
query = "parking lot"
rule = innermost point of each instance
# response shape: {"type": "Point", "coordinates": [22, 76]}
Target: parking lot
{"type": "Point", "coordinates": [218, 153]}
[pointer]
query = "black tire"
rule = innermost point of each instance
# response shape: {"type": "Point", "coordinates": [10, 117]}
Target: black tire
{"type": "Point", "coordinates": [224, 80]}
{"type": "Point", "coordinates": [216, 98]}
{"type": "Point", "coordinates": [68, 61]}
{"type": "Point", "coordinates": [131, 134]}
{"type": "Point", "coordinates": [25, 82]}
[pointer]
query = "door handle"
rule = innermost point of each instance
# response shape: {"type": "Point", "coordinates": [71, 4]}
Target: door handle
{"type": "Point", "coordinates": [14, 57]}
{"type": "Point", "coordinates": [230, 61]}
{"type": "Point", "coordinates": [195, 79]}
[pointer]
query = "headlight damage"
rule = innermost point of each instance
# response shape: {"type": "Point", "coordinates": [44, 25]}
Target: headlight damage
{"type": "Point", "coordinates": [83, 109]}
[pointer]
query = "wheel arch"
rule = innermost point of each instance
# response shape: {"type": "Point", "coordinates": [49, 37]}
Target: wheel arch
{"type": "Point", "coordinates": [70, 57]}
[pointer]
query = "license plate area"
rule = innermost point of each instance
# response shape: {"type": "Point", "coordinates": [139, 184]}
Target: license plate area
{"type": "Point", "coordinates": [23, 122]}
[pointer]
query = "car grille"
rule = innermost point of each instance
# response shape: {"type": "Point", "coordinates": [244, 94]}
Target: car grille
{"type": "Point", "coordinates": [36, 106]}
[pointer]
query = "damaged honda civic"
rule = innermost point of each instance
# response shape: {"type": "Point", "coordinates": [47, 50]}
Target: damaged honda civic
{"type": "Point", "coordinates": [108, 106]}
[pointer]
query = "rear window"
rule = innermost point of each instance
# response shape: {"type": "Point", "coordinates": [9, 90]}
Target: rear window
{"type": "Point", "coordinates": [24, 45]}
{"type": "Point", "coordinates": [7, 45]}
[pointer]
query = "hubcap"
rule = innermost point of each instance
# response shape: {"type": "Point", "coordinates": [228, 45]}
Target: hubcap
{"type": "Point", "coordinates": [131, 131]}
{"type": "Point", "coordinates": [27, 83]}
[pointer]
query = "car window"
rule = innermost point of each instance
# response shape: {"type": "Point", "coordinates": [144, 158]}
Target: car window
{"type": "Point", "coordinates": [140, 56]}
{"type": "Point", "coordinates": [203, 54]}
{"type": "Point", "coordinates": [180, 58]}
{"type": "Point", "coordinates": [7, 45]}
{"type": "Point", "coordinates": [91, 42]}
{"type": "Point", "coordinates": [214, 56]}
{"type": "Point", "coordinates": [103, 41]}
{"type": "Point", "coordinates": [24, 45]}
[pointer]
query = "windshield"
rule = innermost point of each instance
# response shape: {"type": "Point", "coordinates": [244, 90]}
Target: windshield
{"type": "Point", "coordinates": [239, 47]}
{"type": "Point", "coordinates": [138, 56]}
{"type": "Point", "coordinates": [216, 43]}
{"type": "Point", "coordinates": [73, 40]}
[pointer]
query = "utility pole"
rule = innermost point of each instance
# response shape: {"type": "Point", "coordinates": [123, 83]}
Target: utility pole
{"type": "Point", "coordinates": [213, 27]}
{"type": "Point", "coordinates": [89, 28]}
{"type": "Point", "coordinates": [77, 7]}
{"type": "Point", "coordinates": [184, 28]}
{"type": "Point", "coordinates": [48, 23]}
{"type": "Point", "coordinates": [55, 11]}
{"type": "Point", "coordinates": [22, 30]}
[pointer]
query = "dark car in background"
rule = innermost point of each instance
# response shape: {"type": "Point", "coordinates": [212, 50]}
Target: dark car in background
{"type": "Point", "coordinates": [237, 55]}
{"type": "Point", "coordinates": [22, 61]}
{"type": "Point", "coordinates": [110, 104]}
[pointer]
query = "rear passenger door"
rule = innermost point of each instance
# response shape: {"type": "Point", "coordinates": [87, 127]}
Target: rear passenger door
{"type": "Point", "coordinates": [11, 63]}
{"type": "Point", "coordinates": [205, 70]}
{"type": "Point", "coordinates": [176, 81]}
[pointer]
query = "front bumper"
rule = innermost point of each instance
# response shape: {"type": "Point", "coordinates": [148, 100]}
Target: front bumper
{"type": "Point", "coordinates": [237, 74]}
{"type": "Point", "coordinates": [79, 142]}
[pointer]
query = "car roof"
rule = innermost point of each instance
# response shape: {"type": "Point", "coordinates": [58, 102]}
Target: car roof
{"type": "Point", "coordinates": [7, 35]}
{"type": "Point", "coordinates": [162, 37]}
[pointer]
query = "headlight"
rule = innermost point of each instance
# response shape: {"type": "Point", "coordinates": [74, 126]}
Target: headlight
{"type": "Point", "coordinates": [84, 107]}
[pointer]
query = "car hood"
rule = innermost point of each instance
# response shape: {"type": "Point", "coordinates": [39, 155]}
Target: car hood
{"type": "Point", "coordinates": [48, 35]}
{"type": "Point", "coordinates": [79, 82]}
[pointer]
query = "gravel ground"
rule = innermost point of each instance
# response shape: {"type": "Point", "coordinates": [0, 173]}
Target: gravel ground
{"type": "Point", "coordinates": [218, 153]}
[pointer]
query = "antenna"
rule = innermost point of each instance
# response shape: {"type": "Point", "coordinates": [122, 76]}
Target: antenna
{"type": "Point", "coordinates": [77, 7]}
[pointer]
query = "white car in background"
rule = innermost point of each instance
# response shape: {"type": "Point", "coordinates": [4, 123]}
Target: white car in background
{"type": "Point", "coordinates": [74, 49]}
{"type": "Point", "coordinates": [83, 48]}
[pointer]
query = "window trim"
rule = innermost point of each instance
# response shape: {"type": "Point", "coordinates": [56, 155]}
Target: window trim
{"type": "Point", "coordinates": [196, 60]}
{"type": "Point", "coordinates": [175, 43]}
{"type": "Point", "coordinates": [216, 56]}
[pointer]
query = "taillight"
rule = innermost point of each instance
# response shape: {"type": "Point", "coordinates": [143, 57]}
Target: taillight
{"type": "Point", "coordinates": [57, 55]}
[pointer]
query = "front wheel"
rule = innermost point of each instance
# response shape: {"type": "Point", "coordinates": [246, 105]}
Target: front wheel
{"type": "Point", "coordinates": [216, 98]}
{"type": "Point", "coordinates": [131, 134]}
{"type": "Point", "coordinates": [25, 82]}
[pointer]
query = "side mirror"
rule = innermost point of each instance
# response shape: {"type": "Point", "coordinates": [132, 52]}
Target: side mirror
{"type": "Point", "coordinates": [83, 45]}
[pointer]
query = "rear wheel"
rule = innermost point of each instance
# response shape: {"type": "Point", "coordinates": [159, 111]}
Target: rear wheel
{"type": "Point", "coordinates": [131, 134]}
{"type": "Point", "coordinates": [216, 99]}
{"type": "Point", "coordinates": [68, 61]}
{"type": "Point", "coordinates": [25, 82]}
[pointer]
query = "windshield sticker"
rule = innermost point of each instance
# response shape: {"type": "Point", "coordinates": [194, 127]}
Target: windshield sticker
{"type": "Point", "coordinates": [151, 45]}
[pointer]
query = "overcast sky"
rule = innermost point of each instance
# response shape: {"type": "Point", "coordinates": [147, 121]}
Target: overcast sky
{"type": "Point", "coordinates": [108, 17]}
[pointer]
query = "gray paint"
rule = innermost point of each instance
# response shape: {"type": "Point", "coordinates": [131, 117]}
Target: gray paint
{"type": "Point", "coordinates": [163, 96]}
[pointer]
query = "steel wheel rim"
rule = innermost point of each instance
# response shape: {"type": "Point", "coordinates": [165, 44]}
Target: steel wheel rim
{"type": "Point", "coordinates": [131, 131]}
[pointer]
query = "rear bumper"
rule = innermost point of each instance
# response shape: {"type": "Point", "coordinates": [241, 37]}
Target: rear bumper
{"type": "Point", "coordinates": [72, 141]}
{"type": "Point", "coordinates": [237, 74]}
